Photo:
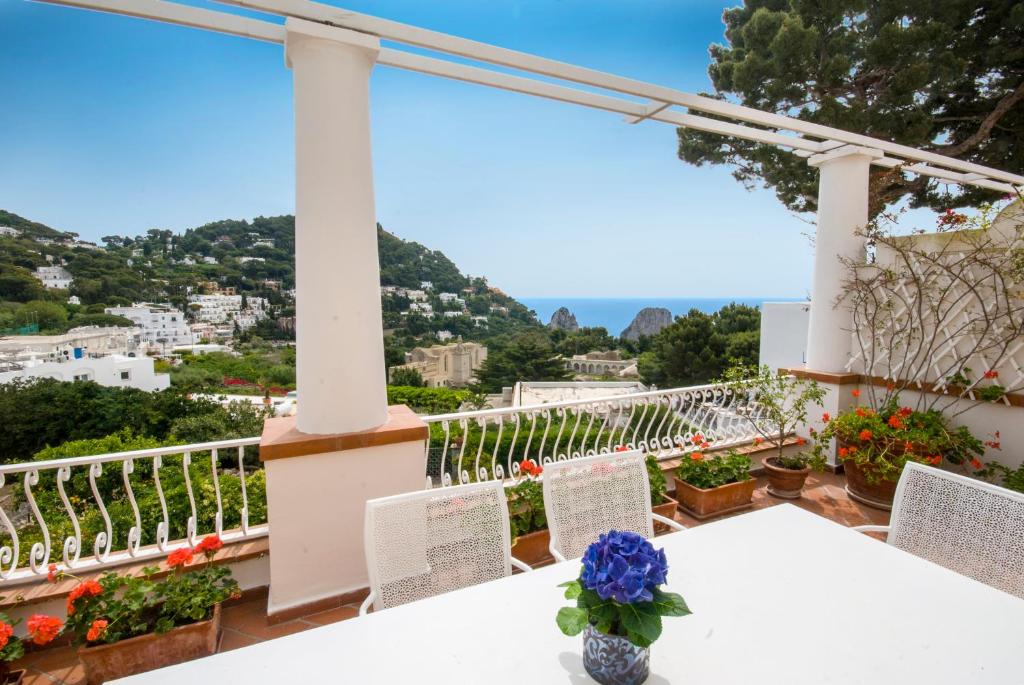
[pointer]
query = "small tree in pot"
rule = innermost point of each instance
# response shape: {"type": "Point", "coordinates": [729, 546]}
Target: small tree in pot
{"type": "Point", "coordinates": [779, 405]}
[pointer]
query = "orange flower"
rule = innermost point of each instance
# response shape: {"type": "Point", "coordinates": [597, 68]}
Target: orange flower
{"type": "Point", "coordinates": [861, 412]}
{"type": "Point", "coordinates": [908, 446]}
{"type": "Point", "coordinates": [826, 417]}
{"type": "Point", "coordinates": [843, 452]}
{"type": "Point", "coordinates": [43, 629]}
{"type": "Point", "coordinates": [991, 374]}
{"type": "Point", "coordinates": [697, 439]}
{"type": "Point", "coordinates": [865, 435]}
{"type": "Point", "coordinates": [855, 392]}
{"type": "Point", "coordinates": [852, 449]}
{"type": "Point", "coordinates": [705, 445]}
{"type": "Point", "coordinates": [96, 630]}
{"type": "Point", "coordinates": [5, 633]}
{"type": "Point", "coordinates": [179, 557]}
{"type": "Point", "coordinates": [696, 456]}
{"type": "Point", "coordinates": [801, 441]}
{"type": "Point", "coordinates": [209, 545]}
{"type": "Point", "coordinates": [934, 460]}
{"type": "Point", "coordinates": [758, 440]}
{"type": "Point", "coordinates": [52, 575]}
{"type": "Point", "coordinates": [87, 588]}
{"type": "Point", "coordinates": [975, 463]}
{"type": "Point", "coordinates": [894, 422]}
{"type": "Point", "coordinates": [621, 448]}
{"type": "Point", "coordinates": [906, 411]}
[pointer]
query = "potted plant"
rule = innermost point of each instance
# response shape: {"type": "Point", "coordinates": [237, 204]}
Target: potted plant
{"type": "Point", "coordinates": [707, 487]}
{"type": "Point", "coordinates": [782, 403]}
{"type": "Point", "coordinates": [132, 624]}
{"type": "Point", "coordinates": [619, 606]}
{"type": "Point", "coordinates": [42, 630]}
{"type": "Point", "coordinates": [661, 503]}
{"type": "Point", "coordinates": [874, 446]}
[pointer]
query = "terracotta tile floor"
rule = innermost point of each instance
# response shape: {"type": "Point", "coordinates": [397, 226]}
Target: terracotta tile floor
{"type": "Point", "coordinates": [246, 623]}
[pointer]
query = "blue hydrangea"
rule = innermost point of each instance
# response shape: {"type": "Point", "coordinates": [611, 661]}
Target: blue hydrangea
{"type": "Point", "coordinates": [623, 566]}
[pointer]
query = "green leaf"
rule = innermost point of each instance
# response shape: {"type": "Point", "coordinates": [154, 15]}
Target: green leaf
{"type": "Point", "coordinates": [638, 639]}
{"type": "Point", "coordinates": [642, 619]}
{"type": "Point", "coordinates": [670, 603]}
{"type": "Point", "coordinates": [571, 620]}
{"type": "Point", "coordinates": [572, 589]}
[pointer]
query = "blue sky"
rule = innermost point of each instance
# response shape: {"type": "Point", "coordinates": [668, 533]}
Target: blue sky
{"type": "Point", "coordinates": [118, 125]}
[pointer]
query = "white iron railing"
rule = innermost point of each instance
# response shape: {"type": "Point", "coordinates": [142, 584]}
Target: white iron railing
{"type": "Point", "coordinates": [491, 443]}
{"type": "Point", "coordinates": [32, 494]}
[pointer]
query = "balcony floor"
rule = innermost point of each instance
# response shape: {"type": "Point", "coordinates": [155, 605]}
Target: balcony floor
{"type": "Point", "coordinates": [245, 623]}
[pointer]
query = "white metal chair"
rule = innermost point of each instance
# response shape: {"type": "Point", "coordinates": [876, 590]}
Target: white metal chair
{"type": "Point", "coordinates": [426, 543]}
{"type": "Point", "coordinates": [586, 497]}
{"type": "Point", "coordinates": [968, 526]}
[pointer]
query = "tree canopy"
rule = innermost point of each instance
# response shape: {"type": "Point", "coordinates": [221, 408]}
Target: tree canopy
{"type": "Point", "coordinates": [946, 77]}
{"type": "Point", "coordinates": [527, 357]}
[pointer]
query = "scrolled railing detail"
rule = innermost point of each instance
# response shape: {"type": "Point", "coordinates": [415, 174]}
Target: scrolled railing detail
{"type": "Point", "coordinates": [140, 510]}
{"type": "Point", "coordinates": [665, 423]}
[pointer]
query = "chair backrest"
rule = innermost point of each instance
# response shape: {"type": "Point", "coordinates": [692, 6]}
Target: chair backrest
{"type": "Point", "coordinates": [586, 497]}
{"type": "Point", "coordinates": [968, 526]}
{"type": "Point", "coordinates": [426, 543]}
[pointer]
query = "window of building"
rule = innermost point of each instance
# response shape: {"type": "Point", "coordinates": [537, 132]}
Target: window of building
{"type": "Point", "coordinates": [126, 375]}
{"type": "Point", "coordinates": [81, 377]}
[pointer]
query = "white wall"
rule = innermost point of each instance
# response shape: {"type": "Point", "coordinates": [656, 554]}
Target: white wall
{"type": "Point", "coordinates": [103, 370]}
{"type": "Point", "coordinates": [784, 334]}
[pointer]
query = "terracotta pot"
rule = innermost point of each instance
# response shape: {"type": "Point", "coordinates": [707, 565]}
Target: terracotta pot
{"type": "Point", "coordinates": [532, 548]}
{"type": "Point", "coordinates": [702, 504]}
{"type": "Point", "coordinates": [878, 495]}
{"type": "Point", "coordinates": [666, 509]}
{"type": "Point", "coordinates": [150, 652]}
{"type": "Point", "coordinates": [783, 482]}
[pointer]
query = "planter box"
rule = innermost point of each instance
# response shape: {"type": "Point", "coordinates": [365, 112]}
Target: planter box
{"type": "Point", "coordinates": [150, 652]}
{"type": "Point", "coordinates": [666, 509]}
{"type": "Point", "coordinates": [724, 499]}
{"type": "Point", "coordinates": [532, 548]}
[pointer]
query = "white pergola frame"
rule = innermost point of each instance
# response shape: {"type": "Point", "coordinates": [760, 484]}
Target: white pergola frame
{"type": "Point", "coordinates": [805, 138]}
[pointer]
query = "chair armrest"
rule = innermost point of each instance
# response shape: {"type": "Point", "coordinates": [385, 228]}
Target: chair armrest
{"type": "Point", "coordinates": [555, 553]}
{"type": "Point", "coordinates": [871, 529]}
{"type": "Point", "coordinates": [365, 606]}
{"type": "Point", "coordinates": [675, 525]}
{"type": "Point", "coordinates": [520, 565]}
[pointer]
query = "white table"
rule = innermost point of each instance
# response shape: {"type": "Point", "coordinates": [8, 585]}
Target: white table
{"type": "Point", "coordinates": [865, 614]}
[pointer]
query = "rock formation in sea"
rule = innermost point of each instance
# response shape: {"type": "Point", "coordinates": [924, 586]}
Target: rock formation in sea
{"type": "Point", "coordinates": [648, 321]}
{"type": "Point", "coordinates": [563, 320]}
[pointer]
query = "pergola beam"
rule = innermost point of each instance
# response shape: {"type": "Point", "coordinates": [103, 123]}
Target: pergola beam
{"type": "Point", "coordinates": [463, 47]}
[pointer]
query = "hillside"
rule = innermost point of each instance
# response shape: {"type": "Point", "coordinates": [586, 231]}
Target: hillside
{"type": "Point", "coordinates": [254, 257]}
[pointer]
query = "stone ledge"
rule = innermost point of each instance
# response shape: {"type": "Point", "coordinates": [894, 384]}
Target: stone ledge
{"type": "Point", "coordinates": [824, 376]}
{"type": "Point", "coordinates": [282, 440]}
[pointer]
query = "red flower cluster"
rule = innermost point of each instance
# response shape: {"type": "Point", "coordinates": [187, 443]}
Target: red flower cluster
{"type": "Point", "coordinates": [934, 461]}
{"type": "Point", "coordinates": [43, 629]}
{"type": "Point", "coordinates": [530, 468]}
{"type": "Point", "coordinates": [758, 440]}
{"type": "Point", "coordinates": [87, 588]}
{"type": "Point", "coordinates": [826, 417]}
{"type": "Point", "coordinates": [991, 374]}
{"type": "Point", "coordinates": [179, 557]}
{"type": "Point", "coordinates": [801, 441]}
{"type": "Point", "coordinates": [696, 456]}
{"type": "Point", "coordinates": [6, 631]}
{"type": "Point", "coordinates": [951, 219]}
{"type": "Point", "coordinates": [846, 451]}
{"type": "Point", "coordinates": [53, 573]}
{"type": "Point", "coordinates": [863, 413]}
{"type": "Point", "coordinates": [865, 435]}
{"type": "Point", "coordinates": [895, 422]}
{"type": "Point", "coordinates": [209, 545]}
{"type": "Point", "coordinates": [855, 392]}
{"type": "Point", "coordinates": [976, 464]}
{"type": "Point", "coordinates": [96, 630]}
{"type": "Point", "coordinates": [621, 448]}
{"type": "Point", "coordinates": [906, 411]}
{"type": "Point", "coordinates": [700, 441]}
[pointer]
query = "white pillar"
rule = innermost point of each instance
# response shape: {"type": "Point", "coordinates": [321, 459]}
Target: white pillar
{"type": "Point", "coordinates": [339, 333]}
{"type": "Point", "coordinates": [842, 210]}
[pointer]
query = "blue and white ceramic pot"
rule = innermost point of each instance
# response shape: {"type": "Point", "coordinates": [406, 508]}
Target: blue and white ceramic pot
{"type": "Point", "coordinates": [614, 660]}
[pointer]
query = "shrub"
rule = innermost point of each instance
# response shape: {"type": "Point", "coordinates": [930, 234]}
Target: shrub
{"type": "Point", "coordinates": [659, 488]}
{"type": "Point", "coordinates": [706, 473]}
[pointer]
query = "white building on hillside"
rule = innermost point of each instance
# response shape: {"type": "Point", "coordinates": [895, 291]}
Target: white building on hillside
{"type": "Point", "coordinates": [54, 276]}
{"type": "Point", "coordinates": [228, 308]}
{"type": "Point", "coordinates": [78, 343]}
{"type": "Point", "coordinates": [162, 325]}
{"type": "Point", "coordinates": [9, 232]}
{"type": "Point", "coordinates": [114, 371]}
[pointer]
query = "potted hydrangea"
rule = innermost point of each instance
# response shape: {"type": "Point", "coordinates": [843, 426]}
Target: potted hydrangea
{"type": "Point", "coordinates": [42, 630]}
{"type": "Point", "coordinates": [128, 624]}
{"type": "Point", "coordinates": [619, 607]}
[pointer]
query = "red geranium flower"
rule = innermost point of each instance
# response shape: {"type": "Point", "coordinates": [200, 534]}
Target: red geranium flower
{"type": "Point", "coordinates": [906, 411]}
{"type": "Point", "coordinates": [697, 439]}
{"type": "Point", "coordinates": [801, 441]}
{"type": "Point", "coordinates": [179, 557]}
{"type": "Point", "coordinates": [43, 629]}
{"type": "Point", "coordinates": [696, 456]}
{"type": "Point", "coordinates": [209, 544]}
{"type": "Point", "coordinates": [96, 630]}
{"type": "Point", "coordinates": [87, 588]}
{"type": "Point", "coordinates": [894, 422]}
{"type": "Point", "coordinates": [52, 575]}
{"type": "Point", "coordinates": [5, 633]}
{"type": "Point", "coordinates": [861, 412]}
{"type": "Point", "coordinates": [991, 374]}
{"type": "Point", "coordinates": [975, 463]}
{"type": "Point", "coordinates": [621, 448]}
{"type": "Point", "coordinates": [826, 417]}
{"type": "Point", "coordinates": [855, 392]}
{"type": "Point", "coordinates": [758, 440]}
{"type": "Point", "coordinates": [865, 435]}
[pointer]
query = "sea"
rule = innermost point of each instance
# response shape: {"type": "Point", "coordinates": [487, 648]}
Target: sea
{"type": "Point", "coordinates": [615, 314]}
